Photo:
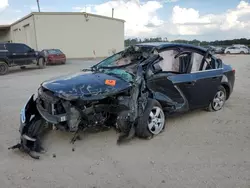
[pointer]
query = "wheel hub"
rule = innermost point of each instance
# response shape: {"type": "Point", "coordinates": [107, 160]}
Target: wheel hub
{"type": "Point", "coordinates": [156, 120]}
{"type": "Point", "coordinates": [219, 100]}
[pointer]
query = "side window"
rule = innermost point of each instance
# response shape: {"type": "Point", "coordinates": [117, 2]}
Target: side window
{"type": "Point", "coordinates": [169, 63]}
{"type": "Point", "coordinates": [196, 60]}
{"type": "Point", "coordinates": [11, 47]}
{"type": "Point", "coordinates": [209, 64]}
{"type": "Point", "coordinates": [22, 48]}
{"type": "Point", "coordinates": [198, 65]}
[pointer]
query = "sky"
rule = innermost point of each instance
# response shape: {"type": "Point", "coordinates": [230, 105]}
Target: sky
{"type": "Point", "coordinates": [175, 19]}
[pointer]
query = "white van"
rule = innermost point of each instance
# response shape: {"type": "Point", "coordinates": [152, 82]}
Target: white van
{"type": "Point", "coordinates": [237, 49]}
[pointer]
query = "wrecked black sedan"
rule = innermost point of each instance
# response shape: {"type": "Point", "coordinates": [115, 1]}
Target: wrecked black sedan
{"type": "Point", "coordinates": [133, 91]}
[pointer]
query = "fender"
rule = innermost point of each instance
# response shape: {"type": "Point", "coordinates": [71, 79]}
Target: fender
{"type": "Point", "coordinates": [6, 60]}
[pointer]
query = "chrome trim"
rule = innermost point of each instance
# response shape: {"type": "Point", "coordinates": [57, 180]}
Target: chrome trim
{"type": "Point", "coordinates": [29, 138]}
{"type": "Point", "coordinates": [206, 70]}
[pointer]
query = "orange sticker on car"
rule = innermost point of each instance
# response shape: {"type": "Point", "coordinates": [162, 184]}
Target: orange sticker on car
{"type": "Point", "coordinates": [110, 82]}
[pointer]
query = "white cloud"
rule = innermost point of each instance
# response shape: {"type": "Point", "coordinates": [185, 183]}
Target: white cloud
{"type": "Point", "coordinates": [3, 4]}
{"type": "Point", "coordinates": [138, 15]}
{"type": "Point", "coordinates": [142, 19]}
{"type": "Point", "coordinates": [188, 16]}
{"type": "Point", "coordinates": [190, 22]}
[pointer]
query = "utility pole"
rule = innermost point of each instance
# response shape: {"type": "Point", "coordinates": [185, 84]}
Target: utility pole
{"type": "Point", "coordinates": [38, 6]}
{"type": "Point", "coordinates": [112, 12]}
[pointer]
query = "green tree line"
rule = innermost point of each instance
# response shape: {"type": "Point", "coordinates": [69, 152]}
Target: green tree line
{"type": "Point", "coordinates": [195, 42]}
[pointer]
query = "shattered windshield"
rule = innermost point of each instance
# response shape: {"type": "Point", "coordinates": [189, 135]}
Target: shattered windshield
{"type": "Point", "coordinates": [123, 64]}
{"type": "Point", "coordinates": [128, 56]}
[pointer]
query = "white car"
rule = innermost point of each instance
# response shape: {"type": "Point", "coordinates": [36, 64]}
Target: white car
{"type": "Point", "coordinates": [236, 50]}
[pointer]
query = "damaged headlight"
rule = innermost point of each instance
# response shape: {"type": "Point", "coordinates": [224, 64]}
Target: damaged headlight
{"type": "Point", "coordinates": [22, 115]}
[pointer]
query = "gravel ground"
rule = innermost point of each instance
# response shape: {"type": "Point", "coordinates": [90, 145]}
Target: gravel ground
{"type": "Point", "coordinates": [198, 149]}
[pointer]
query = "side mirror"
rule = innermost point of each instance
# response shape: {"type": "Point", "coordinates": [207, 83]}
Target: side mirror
{"type": "Point", "coordinates": [32, 50]}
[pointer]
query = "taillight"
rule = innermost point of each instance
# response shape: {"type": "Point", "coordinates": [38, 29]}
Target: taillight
{"type": "Point", "coordinates": [233, 70]}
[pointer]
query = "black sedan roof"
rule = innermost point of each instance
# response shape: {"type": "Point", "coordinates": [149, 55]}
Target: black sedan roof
{"type": "Point", "coordinates": [164, 45]}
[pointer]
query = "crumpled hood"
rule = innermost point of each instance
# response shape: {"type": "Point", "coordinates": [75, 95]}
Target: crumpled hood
{"type": "Point", "coordinates": [86, 85]}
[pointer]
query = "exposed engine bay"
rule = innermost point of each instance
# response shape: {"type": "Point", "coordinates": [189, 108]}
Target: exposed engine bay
{"type": "Point", "coordinates": [114, 98]}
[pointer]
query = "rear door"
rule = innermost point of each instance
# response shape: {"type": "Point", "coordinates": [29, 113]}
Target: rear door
{"type": "Point", "coordinates": [237, 50]}
{"type": "Point", "coordinates": [207, 77]}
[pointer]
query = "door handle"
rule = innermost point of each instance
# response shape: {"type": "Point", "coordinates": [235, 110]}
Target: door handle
{"type": "Point", "coordinates": [13, 53]}
{"type": "Point", "coordinates": [215, 78]}
{"type": "Point", "coordinates": [191, 83]}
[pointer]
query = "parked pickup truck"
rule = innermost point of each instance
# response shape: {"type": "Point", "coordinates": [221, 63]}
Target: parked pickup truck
{"type": "Point", "coordinates": [18, 54]}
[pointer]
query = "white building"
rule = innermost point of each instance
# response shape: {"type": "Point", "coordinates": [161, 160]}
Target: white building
{"type": "Point", "coordinates": [78, 35]}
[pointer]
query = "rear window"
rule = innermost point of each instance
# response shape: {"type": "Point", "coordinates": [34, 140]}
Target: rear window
{"type": "Point", "coordinates": [54, 51]}
{"type": "Point", "coordinates": [2, 47]}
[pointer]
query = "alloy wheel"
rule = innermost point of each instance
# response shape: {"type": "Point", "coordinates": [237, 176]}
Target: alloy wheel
{"type": "Point", "coordinates": [156, 120]}
{"type": "Point", "coordinates": [219, 100]}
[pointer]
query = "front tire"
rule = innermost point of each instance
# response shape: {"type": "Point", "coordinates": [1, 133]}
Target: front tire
{"type": "Point", "coordinates": [152, 122]}
{"type": "Point", "coordinates": [4, 68]}
{"type": "Point", "coordinates": [219, 100]}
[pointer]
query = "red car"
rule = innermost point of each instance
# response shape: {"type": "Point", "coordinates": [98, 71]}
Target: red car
{"type": "Point", "coordinates": [54, 56]}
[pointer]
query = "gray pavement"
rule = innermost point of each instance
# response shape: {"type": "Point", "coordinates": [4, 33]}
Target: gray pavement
{"type": "Point", "coordinates": [197, 149]}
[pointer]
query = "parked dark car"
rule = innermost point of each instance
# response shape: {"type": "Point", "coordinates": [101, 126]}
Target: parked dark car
{"type": "Point", "coordinates": [18, 54]}
{"type": "Point", "coordinates": [54, 56]}
{"type": "Point", "coordinates": [219, 50]}
{"type": "Point", "coordinates": [215, 49]}
{"type": "Point", "coordinates": [133, 90]}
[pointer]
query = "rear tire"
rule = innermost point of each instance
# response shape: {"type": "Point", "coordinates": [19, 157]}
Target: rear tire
{"type": "Point", "coordinates": [219, 100]}
{"type": "Point", "coordinates": [242, 52]}
{"type": "Point", "coordinates": [227, 52]}
{"type": "Point", "coordinates": [41, 63]}
{"type": "Point", "coordinates": [152, 122]}
{"type": "Point", "coordinates": [4, 68]}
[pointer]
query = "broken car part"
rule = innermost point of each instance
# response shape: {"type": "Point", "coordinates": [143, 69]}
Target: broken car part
{"type": "Point", "coordinates": [132, 91]}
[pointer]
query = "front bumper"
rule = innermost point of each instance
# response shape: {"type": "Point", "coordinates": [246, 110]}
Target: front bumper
{"type": "Point", "coordinates": [54, 119]}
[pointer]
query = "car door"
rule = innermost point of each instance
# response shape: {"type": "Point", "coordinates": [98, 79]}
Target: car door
{"type": "Point", "coordinates": [207, 77]}
{"type": "Point", "coordinates": [16, 54]}
{"type": "Point", "coordinates": [172, 86]}
{"type": "Point", "coordinates": [31, 54]}
{"type": "Point", "coordinates": [236, 50]}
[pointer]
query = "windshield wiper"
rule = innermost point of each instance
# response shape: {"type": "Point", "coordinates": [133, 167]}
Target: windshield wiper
{"type": "Point", "coordinates": [93, 68]}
